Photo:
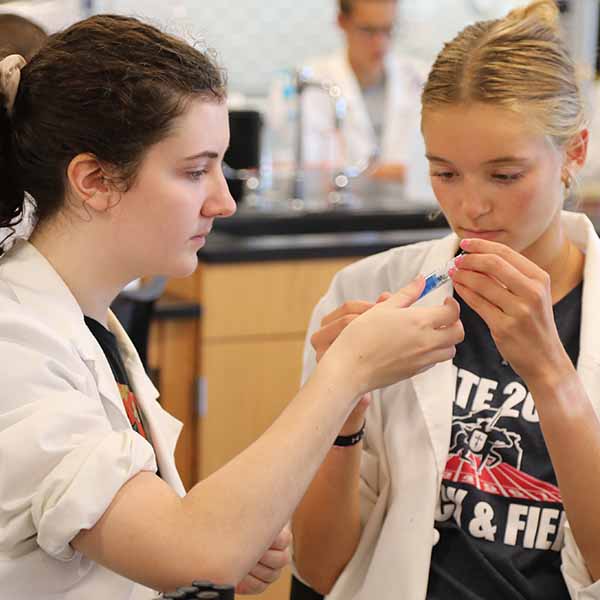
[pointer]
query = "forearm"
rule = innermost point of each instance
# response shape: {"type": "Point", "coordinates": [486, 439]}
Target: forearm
{"type": "Point", "coordinates": [257, 491]}
{"type": "Point", "coordinates": [326, 525]}
{"type": "Point", "coordinates": [572, 433]}
{"type": "Point", "coordinates": [222, 527]}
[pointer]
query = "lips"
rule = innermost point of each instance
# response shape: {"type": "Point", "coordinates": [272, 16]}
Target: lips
{"type": "Point", "coordinates": [485, 234]}
{"type": "Point", "coordinates": [201, 234]}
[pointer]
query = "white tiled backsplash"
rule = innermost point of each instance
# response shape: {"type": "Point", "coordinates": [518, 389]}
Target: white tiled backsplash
{"type": "Point", "coordinates": [255, 38]}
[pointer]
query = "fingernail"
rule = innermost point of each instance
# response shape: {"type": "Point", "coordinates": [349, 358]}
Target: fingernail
{"type": "Point", "coordinates": [452, 271]}
{"type": "Point", "coordinates": [458, 260]}
{"type": "Point", "coordinates": [464, 244]}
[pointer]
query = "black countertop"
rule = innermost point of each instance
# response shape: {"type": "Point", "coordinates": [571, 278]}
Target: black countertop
{"type": "Point", "coordinates": [227, 248]}
{"type": "Point", "coordinates": [372, 219]}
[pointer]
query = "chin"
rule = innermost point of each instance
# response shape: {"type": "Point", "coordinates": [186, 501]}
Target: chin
{"type": "Point", "coordinates": [184, 267]}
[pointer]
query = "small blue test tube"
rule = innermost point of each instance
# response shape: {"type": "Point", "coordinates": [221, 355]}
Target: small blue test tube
{"type": "Point", "coordinates": [438, 277]}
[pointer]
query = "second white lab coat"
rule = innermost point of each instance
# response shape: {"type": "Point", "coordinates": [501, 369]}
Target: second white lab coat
{"type": "Point", "coordinates": [408, 429]}
{"type": "Point", "coordinates": [401, 131]}
{"type": "Point", "coordinates": [66, 444]}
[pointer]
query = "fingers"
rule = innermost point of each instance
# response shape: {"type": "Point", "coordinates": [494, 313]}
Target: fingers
{"type": "Point", "coordinates": [494, 292]}
{"type": "Point", "coordinates": [251, 585]}
{"type": "Point", "coordinates": [352, 307]}
{"type": "Point", "coordinates": [520, 264]}
{"type": "Point", "coordinates": [445, 315]}
{"type": "Point", "coordinates": [451, 335]}
{"type": "Point", "coordinates": [268, 569]}
{"type": "Point", "coordinates": [274, 560]}
{"type": "Point", "coordinates": [336, 321]}
{"type": "Point", "coordinates": [408, 294]}
{"type": "Point", "coordinates": [480, 305]}
{"type": "Point", "coordinates": [283, 539]}
{"type": "Point", "coordinates": [324, 337]}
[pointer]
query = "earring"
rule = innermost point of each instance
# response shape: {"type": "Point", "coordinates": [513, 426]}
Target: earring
{"type": "Point", "coordinates": [567, 180]}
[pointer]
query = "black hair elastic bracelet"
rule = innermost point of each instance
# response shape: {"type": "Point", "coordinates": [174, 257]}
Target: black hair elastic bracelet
{"type": "Point", "coordinates": [350, 440]}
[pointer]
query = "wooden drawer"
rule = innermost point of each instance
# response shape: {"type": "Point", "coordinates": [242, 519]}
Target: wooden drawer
{"type": "Point", "coordinates": [248, 384]}
{"type": "Point", "coordinates": [267, 298]}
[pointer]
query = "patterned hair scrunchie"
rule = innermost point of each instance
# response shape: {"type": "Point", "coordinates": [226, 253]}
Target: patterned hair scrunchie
{"type": "Point", "coordinates": [10, 76]}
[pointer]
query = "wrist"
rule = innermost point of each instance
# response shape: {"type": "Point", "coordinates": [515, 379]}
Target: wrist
{"type": "Point", "coordinates": [553, 375]}
{"type": "Point", "coordinates": [340, 380]}
{"type": "Point", "coordinates": [355, 420]}
{"type": "Point", "coordinates": [346, 440]}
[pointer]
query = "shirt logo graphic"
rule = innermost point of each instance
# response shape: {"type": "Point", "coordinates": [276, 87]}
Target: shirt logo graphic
{"type": "Point", "coordinates": [489, 457]}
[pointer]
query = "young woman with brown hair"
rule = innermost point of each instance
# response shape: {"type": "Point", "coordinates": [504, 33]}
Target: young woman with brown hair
{"type": "Point", "coordinates": [116, 132]}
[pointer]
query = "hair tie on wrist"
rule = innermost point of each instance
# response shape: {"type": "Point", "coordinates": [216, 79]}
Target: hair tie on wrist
{"type": "Point", "coordinates": [10, 77]}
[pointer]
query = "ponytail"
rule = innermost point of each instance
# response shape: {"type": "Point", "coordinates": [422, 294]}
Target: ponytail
{"type": "Point", "coordinates": [544, 12]}
{"type": "Point", "coordinates": [12, 194]}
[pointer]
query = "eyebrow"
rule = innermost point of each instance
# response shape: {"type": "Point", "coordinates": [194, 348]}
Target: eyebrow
{"type": "Point", "coordinates": [494, 161]}
{"type": "Point", "coordinates": [205, 154]}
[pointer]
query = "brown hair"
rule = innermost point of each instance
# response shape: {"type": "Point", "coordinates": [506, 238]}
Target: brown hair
{"type": "Point", "coordinates": [346, 6]}
{"type": "Point", "coordinates": [19, 35]}
{"type": "Point", "coordinates": [110, 86]}
{"type": "Point", "coordinates": [520, 63]}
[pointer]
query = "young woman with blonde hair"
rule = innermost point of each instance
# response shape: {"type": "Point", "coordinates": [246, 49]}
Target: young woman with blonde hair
{"type": "Point", "coordinates": [480, 478]}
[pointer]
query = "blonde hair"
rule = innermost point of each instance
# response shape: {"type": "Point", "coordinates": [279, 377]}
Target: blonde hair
{"type": "Point", "coordinates": [518, 62]}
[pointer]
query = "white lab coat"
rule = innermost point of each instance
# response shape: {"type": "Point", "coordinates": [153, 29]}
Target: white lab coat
{"type": "Point", "coordinates": [408, 430]}
{"type": "Point", "coordinates": [404, 82]}
{"type": "Point", "coordinates": [66, 444]}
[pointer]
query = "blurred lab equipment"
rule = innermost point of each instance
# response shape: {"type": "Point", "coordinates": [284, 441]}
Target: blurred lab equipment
{"type": "Point", "coordinates": [304, 80]}
{"type": "Point", "coordinates": [242, 159]}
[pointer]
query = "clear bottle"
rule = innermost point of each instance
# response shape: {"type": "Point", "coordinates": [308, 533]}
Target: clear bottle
{"type": "Point", "coordinates": [438, 277]}
{"type": "Point", "coordinates": [282, 122]}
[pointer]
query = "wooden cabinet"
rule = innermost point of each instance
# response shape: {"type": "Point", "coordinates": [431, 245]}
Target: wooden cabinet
{"type": "Point", "coordinates": [247, 355]}
{"type": "Point", "coordinates": [172, 351]}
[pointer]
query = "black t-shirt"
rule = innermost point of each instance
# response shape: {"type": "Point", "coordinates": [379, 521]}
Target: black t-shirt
{"type": "Point", "coordinates": [108, 343]}
{"type": "Point", "coordinates": [501, 515]}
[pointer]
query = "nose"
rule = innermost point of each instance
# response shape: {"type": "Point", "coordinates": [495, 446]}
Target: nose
{"type": "Point", "coordinates": [220, 202]}
{"type": "Point", "coordinates": [474, 203]}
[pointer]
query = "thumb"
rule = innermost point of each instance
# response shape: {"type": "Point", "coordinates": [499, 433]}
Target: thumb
{"type": "Point", "coordinates": [409, 293]}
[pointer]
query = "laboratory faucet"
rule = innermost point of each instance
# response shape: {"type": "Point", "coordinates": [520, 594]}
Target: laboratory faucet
{"type": "Point", "coordinates": [303, 81]}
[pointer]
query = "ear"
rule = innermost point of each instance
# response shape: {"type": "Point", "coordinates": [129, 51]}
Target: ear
{"type": "Point", "coordinates": [576, 151]}
{"type": "Point", "coordinates": [343, 21]}
{"type": "Point", "coordinates": [88, 182]}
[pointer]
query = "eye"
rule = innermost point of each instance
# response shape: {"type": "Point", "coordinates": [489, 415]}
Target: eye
{"type": "Point", "coordinates": [507, 178]}
{"type": "Point", "coordinates": [196, 175]}
{"type": "Point", "coordinates": [444, 175]}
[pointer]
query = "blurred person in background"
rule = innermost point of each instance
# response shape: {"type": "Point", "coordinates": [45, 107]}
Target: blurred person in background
{"type": "Point", "coordinates": [19, 35]}
{"type": "Point", "coordinates": [382, 91]}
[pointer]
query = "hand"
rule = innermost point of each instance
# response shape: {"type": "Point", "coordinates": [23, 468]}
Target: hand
{"type": "Point", "coordinates": [391, 341]}
{"type": "Point", "coordinates": [331, 327]}
{"type": "Point", "coordinates": [268, 568]}
{"type": "Point", "coordinates": [336, 321]}
{"type": "Point", "coordinates": [513, 296]}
